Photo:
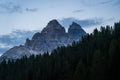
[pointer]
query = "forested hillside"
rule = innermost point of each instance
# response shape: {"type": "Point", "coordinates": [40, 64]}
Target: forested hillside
{"type": "Point", "coordinates": [95, 57]}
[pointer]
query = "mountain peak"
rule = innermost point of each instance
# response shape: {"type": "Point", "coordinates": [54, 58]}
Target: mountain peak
{"type": "Point", "coordinates": [53, 29]}
{"type": "Point", "coordinates": [51, 37]}
{"type": "Point", "coordinates": [75, 25]}
{"type": "Point", "coordinates": [36, 35]}
{"type": "Point", "coordinates": [53, 23]}
{"type": "Point", "coordinates": [28, 42]}
{"type": "Point", "coordinates": [75, 31]}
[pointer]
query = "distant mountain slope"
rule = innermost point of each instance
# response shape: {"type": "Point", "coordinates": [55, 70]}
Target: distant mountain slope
{"type": "Point", "coordinates": [52, 36]}
{"type": "Point", "coordinates": [14, 38]}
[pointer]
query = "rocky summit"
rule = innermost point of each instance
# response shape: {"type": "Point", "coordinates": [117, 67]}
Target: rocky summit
{"type": "Point", "coordinates": [75, 31]}
{"type": "Point", "coordinates": [52, 36]}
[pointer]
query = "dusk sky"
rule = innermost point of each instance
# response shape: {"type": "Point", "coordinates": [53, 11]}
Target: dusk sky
{"type": "Point", "coordinates": [35, 14]}
{"type": "Point", "coordinates": [30, 15]}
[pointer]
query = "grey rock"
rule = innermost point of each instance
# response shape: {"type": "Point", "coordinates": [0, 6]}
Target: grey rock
{"type": "Point", "coordinates": [16, 53]}
{"type": "Point", "coordinates": [28, 43]}
{"type": "Point", "coordinates": [53, 30]}
{"type": "Point", "coordinates": [51, 37]}
{"type": "Point", "coordinates": [75, 31]}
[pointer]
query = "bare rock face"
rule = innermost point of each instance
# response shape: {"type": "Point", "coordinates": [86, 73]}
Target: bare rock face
{"type": "Point", "coordinates": [28, 43]}
{"type": "Point", "coordinates": [53, 30]}
{"type": "Point", "coordinates": [52, 36]}
{"type": "Point", "coordinates": [75, 31]}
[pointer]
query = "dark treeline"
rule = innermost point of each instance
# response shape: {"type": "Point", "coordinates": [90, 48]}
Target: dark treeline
{"type": "Point", "coordinates": [95, 57]}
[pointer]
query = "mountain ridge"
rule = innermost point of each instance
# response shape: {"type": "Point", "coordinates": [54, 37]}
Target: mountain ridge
{"type": "Point", "coordinates": [52, 36]}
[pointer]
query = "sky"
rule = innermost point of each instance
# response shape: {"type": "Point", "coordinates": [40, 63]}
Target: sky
{"type": "Point", "coordinates": [31, 15]}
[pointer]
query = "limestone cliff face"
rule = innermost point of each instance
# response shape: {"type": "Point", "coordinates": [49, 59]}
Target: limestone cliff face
{"type": "Point", "coordinates": [52, 36]}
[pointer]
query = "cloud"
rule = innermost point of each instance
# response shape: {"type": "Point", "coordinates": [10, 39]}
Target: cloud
{"type": "Point", "coordinates": [93, 3]}
{"type": "Point", "coordinates": [10, 7]}
{"type": "Point", "coordinates": [0, 54]}
{"type": "Point", "coordinates": [15, 38]}
{"type": "Point", "coordinates": [77, 11]}
{"type": "Point", "coordinates": [84, 23]}
{"type": "Point", "coordinates": [4, 47]}
{"type": "Point", "coordinates": [31, 9]}
{"type": "Point", "coordinates": [111, 2]}
{"type": "Point", "coordinates": [105, 2]}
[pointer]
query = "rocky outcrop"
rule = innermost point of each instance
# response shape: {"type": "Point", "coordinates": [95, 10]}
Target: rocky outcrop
{"type": "Point", "coordinates": [75, 31]}
{"type": "Point", "coordinates": [53, 30]}
{"type": "Point", "coordinates": [52, 36]}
